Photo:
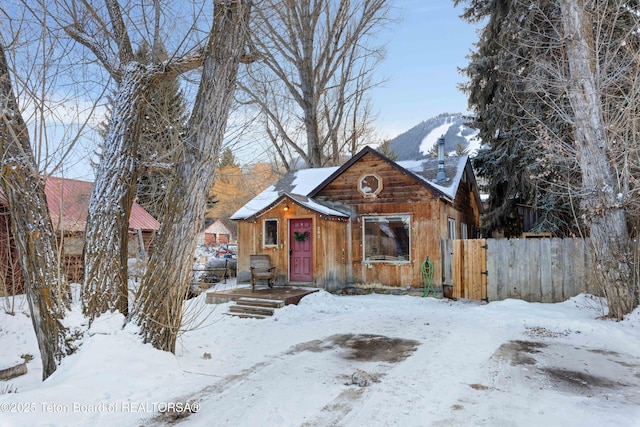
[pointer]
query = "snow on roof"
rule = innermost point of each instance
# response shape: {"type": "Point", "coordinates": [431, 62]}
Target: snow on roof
{"type": "Point", "coordinates": [314, 205]}
{"type": "Point", "coordinates": [427, 170]}
{"type": "Point", "coordinates": [293, 184]}
{"type": "Point", "coordinates": [220, 225]}
{"type": "Point", "coordinates": [299, 184]}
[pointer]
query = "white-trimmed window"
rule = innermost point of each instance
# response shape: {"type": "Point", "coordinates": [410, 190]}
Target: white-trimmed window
{"type": "Point", "coordinates": [452, 228]}
{"type": "Point", "coordinates": [386, 238]}
{"type": "Point", "coordinates": [464, 232]}
{"type": "Point", "coordinates": [370, 185]}
{"type": "Point", "coordinates": [270, 232]}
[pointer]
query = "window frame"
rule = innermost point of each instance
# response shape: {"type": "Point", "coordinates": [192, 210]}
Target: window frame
{"type": "Point", "coordinates": [451, 228]}
{"type": "Point", "coordinates": [264, 233]}
{"type": "Point", "coordinates": [374, 192]}
{"type": "Point", "coordinates": [404, 218]}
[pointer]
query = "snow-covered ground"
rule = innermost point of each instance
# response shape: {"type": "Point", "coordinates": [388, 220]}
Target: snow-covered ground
{"type": "Point", "coordinates": [374, 360]}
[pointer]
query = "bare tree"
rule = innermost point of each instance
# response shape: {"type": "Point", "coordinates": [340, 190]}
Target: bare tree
{"type": "Point", "coordinates": [46, 288]}
{"type": "Point", "coordinates": [105, 285]}
{"type": "Point", "coordinates": [313, 69]}
{"type": "Point", "coordinates": [164, 286]}
{"type": "Point", "coordinates": [562, 76]}
{"type": "Point", "coordinates": [601, 202]}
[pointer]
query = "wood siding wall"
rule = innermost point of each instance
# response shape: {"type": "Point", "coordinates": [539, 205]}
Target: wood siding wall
{"type": "Point", "coordinates": [338, 246]}
{"type": "Point", "coordinates": [401, 194]}
{"type": "Point", "coordinates": [11, 278]}
{"type": "Point", "coordinates": [329, 242]}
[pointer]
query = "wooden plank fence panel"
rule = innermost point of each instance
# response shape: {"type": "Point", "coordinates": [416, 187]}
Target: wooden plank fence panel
{"type": "Point", "coordinates": [568, 246]}
{"type": "Point", "coordinates": [476, 266]}
{"type": "Point", "coordinates": [546, 271]}
{"type": "Point", "coordinates": [541, 270]}
{"type": "Point", "coordinates": [456, 265]}
{"type": "Point", "coordinates": [494, 288]}
{"type": "Point", "coordinates": [557, 267]}
{"type": "Point", "coordinates": [532, 264]}
{"type": "Point", "coordinates": [517, 254]}
{"type": "Point", "coordinates": [590, 283]}
{"type": "Point", "coordinates": [511, 272]}
{"type": "Point", "coordinates": [446, 248]}
{"type": "Point", "coordinates": [483, 269]}
{"type": "Point", "coordinates": [469, 264]}
{"type": "Point", "coordinates": [501, 276]}
{"type": "Point", "coordinates": [578, 260]}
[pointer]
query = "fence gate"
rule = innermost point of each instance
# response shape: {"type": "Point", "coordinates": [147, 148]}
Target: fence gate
{"type": "Point", "coordinates": [469, 269]}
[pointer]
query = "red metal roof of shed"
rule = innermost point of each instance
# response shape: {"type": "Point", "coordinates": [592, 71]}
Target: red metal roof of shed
{"type": "Point", "coordinates": [69, 199]}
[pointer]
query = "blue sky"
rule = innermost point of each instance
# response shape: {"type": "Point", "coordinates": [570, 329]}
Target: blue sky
{"type": "Point", "coordinates": [425, 49]}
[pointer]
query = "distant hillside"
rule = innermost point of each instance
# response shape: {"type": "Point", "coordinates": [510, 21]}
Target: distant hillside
{"type": "Point", "coordinates": [417, 142]}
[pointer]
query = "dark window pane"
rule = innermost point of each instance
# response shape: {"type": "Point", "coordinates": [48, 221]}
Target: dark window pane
{"type": "Point", "coordinates": [387, 238]}
{"type": "Point", "coordinates": [271, 232]}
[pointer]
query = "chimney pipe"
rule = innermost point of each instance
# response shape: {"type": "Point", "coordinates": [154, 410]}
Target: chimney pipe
{"type": "Point", "coordinates": [441, 175]}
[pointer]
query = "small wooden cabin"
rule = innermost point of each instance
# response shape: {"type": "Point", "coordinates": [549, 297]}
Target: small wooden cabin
{"type": "Point", "coordinates": [371, 222]}
{"type": "Point", "coordinates": [219, 232]}
{"type": "Point", "coordinates": [68, 202]}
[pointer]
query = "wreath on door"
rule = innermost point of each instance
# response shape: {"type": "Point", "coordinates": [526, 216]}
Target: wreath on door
{"type": "Point", "coordinates": [300, 237]}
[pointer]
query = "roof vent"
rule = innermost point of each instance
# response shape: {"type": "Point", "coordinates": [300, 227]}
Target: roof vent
{"type": "Point", "coordinates": [441, 175]}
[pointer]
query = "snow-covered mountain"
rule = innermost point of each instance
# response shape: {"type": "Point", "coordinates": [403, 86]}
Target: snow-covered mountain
{"type": "Point", "coordinates": [417, 142]}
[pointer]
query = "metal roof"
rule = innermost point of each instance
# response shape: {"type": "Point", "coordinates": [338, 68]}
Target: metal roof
{"type": "Point", "coordinates": [68, 201]}
{"type": "Point", "coordinates": [305, 184]}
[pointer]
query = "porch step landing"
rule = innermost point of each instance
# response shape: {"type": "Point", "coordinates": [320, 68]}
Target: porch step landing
{"type": "Point", "coordinates": [254, 308]}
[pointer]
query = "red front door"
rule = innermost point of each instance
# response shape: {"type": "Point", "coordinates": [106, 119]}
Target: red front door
{"type": "Point", "coordinates": [300, 249]}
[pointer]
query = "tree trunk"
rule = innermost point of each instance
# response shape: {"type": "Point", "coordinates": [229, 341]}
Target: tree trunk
{"type": "Point", "coordinates": [600, 206]}
{"type": "Point", "coordinates": [314, 51]}
{"type": "Point", "coordinates": [105, 253]}
{"type": "Point", "coordinates": [166, 282]}
{"type": "Point", "coordinates": [45, 285]}
{"type": "Point", "coordinates": [105, 286]}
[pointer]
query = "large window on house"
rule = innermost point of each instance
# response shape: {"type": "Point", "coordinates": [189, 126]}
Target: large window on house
{"type": "Point", "coordinates": [270, 232]}
{"type": "Point", "coordinates": [387, 238]}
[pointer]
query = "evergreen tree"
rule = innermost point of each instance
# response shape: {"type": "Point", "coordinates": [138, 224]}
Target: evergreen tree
{"type": "Point", "coordinates": [385, 149]}
{"type": "Point", "coordinates": [554, 84]}
{"type": "Point", "coordinates": [161, 134]}
{"type": "Point", "coordinates": [228, 159]}
{"type": "Point", "coordinates": [516, 115]}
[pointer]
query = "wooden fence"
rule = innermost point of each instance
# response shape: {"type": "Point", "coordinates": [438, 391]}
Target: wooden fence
{"type": "Point", "coordinates": [469, 269]}
{"type": "Point", "coordinates": [536, 270]}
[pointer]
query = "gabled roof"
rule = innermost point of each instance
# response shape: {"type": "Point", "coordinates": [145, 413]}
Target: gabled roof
{"type": "Point", "coordinates": [307, 183]}
{"type": "Point", "coordinates": [221, 224]}
{"type": "Point", "coordinates": [68, 201]}
{"type": "Point", "coordinates": [424, 171]}
{"type": "Point", "coordinates": [296, 183]}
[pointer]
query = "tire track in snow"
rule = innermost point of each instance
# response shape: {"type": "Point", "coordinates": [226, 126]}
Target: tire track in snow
{"type": "Point", "coordinates": [292, 389]}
